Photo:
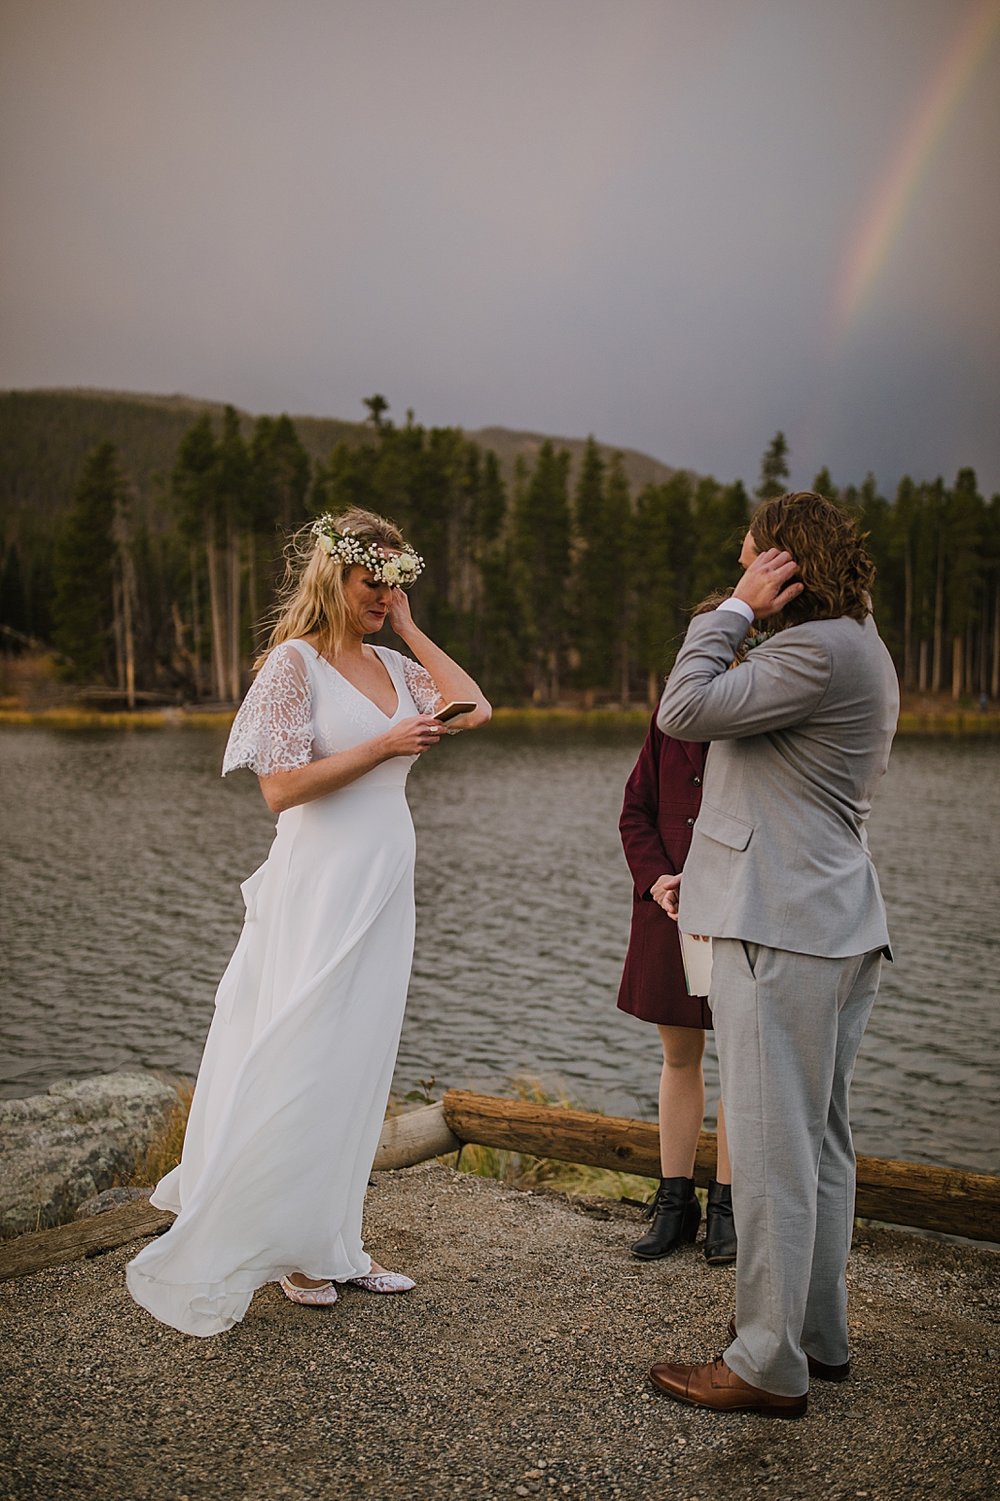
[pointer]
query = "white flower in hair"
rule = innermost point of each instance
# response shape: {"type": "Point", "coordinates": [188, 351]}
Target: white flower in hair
{"type": "Point", "coordinates": [398, 569]}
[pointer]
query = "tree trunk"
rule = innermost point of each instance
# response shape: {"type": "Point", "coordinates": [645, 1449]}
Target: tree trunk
{"type": "Point", "coordinates": [195, 625]}
{"type": "Point", "coordinates": [957, 662]}
{"type": "Point", "coordinates": [922, 670]}
{"type": "Point", "coordinates": [128, 624]}
{"type": "Point", "coordinates": [235, 675]}
{"type": "Point", "coordinates": [116, 630]}
{"type": "Point", "coordinates": [652, 688]}
{"type": "Point", "coordinates": [908, 616]}
{"type": "Point", "coordinates": [995, 676]}
{"type": "Point", "coordinates": [252, 592]}
{"type": "Point", "coordinates": [215, 607]}
{"type": "Point", "coordinates": [937, 668]}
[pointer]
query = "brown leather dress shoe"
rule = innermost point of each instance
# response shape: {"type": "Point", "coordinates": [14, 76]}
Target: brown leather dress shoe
{"type": "Point", "coordinates": [718, 1388]}
{"type": "Point", "coordinates": [817, 1368]}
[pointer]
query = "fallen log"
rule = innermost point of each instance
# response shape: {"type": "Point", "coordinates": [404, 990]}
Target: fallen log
{"type": "Point", "coordinates": [898, 1193]}
{"type": "Point", "coordinates": [414, 1137]}
{"type": "Point", "coordinates": [79, 1239]}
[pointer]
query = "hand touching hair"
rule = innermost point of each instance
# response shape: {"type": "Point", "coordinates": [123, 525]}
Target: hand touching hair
{"type": "Point", "coordinates": [833, 565]}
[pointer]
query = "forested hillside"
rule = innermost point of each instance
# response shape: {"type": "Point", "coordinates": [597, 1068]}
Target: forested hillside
{"type": "Point", "coordinates": [140, 539]}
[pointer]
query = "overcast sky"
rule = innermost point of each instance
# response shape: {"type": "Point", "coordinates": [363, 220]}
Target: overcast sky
{"type": "Point", "coordinates": [677, 224]}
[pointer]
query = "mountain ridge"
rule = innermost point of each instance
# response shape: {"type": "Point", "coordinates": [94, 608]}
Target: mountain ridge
{"type": "Point", "coordinates": [47, 432]}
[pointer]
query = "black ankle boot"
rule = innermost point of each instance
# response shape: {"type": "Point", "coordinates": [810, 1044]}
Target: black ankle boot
{"type": "Point", "coordinates": [720, 1229]}
{"type": "Point", "coordinates": [675, 1213]}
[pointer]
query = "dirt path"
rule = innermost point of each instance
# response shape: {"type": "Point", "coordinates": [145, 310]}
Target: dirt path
{"type": "Point", "coordinates": [516, 1368]}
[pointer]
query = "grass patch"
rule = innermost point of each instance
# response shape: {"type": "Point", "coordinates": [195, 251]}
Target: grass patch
{"type": "Point", "coordinates": [519, 1170]}
{"type": "Point", "coordinates": [100, 719]}
{"type": "Point", "coordinates": [164, 1151]}
{"type": "Point", "coordinates": [929, 720]}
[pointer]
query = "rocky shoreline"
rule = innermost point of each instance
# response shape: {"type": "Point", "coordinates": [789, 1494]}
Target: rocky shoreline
{"type": "Point", "coordinates": [517, 1368]}
{"type": "Point", "coordinates": [78, 1139]}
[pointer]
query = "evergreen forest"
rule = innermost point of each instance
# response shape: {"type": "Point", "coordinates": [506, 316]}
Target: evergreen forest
{"type": "Point", "coordinates": [141, 540]}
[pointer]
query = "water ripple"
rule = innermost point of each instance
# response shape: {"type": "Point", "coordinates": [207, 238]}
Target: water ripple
{"type": "Point", "coordinates": [122, 856]}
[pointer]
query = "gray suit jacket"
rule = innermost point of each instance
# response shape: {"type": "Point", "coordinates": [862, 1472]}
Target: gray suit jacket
{"type": "Point", "coordinates": [800, 736]}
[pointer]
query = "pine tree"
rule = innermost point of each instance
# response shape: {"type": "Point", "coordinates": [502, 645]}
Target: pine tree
{"type": "Point", "coordinates": [83, 573]}
{"type": "Point", "coordinates": [618, 593]}
{"type": "Point", "coordinates": [721, 517]}
{"type": "Point", "coordinates": [542, 536]}
{"type": "Point", "coordinates": [589, 609]}
{"type": "Point", "coordinates": [963, 529]}
{"type": "Point", "coordinates": [774, 469]}
{"type": "Point", "coordinates": [377, 408]}
{"type": "Point", "coordinates": [661, 548]}
{"type": "Point", "coordinates": [823, 484]}
{"type": "Point", "coordinates": [235, 509]}
{"type": "Point", "coordinates": [196, 506]}
{"type": "Point", "coordinates": [280, 474]}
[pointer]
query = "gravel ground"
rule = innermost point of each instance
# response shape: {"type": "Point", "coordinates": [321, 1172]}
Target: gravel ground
{"type": "Point", "coordinates": [517, 1368]}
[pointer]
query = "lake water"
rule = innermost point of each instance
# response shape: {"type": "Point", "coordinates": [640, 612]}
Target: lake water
{"type": "Point", "coordinates": [122, 854]}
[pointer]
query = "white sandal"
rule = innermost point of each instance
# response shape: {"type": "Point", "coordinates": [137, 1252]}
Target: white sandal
{"type": "Point", "coordinates": [383, 1282]}
{"type": "Point", "coordinates": [323, 1296]}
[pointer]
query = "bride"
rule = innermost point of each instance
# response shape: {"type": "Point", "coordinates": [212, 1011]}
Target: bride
{"type": "Point", "coordinates": [296, 1071]}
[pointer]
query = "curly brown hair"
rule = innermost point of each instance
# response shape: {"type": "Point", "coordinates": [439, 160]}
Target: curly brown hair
{"type": "Point", "coordinates": [836, 570]}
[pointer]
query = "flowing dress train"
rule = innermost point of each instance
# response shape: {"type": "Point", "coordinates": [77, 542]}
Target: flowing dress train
{"type": "Point", "coordinates": [293, 1083]}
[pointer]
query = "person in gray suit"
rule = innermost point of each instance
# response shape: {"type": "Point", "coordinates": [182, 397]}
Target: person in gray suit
{"type": "Point", "coordinates": [780, 877]}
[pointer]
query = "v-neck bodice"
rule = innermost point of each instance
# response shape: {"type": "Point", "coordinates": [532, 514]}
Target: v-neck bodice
{"type": "Point", "coordinates": [343, 716]}
{"type": "Point", "coordinates": [360, 691]}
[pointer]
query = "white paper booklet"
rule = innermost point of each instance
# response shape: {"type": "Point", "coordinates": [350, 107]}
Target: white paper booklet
{"type": "Point", "coordinates": [697, 956]}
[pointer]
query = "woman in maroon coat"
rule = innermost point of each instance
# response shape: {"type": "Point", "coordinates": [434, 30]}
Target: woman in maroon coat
{"type": "Point", "coordinates": [662, 798]}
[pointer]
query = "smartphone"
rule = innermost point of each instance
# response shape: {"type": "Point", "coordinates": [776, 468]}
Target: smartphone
{"type": "Point", "coordinates": [451, 710]}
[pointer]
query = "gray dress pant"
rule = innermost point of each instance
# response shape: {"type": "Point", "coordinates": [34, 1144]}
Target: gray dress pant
{"type": "Point", "coordinates": [788, 1028]}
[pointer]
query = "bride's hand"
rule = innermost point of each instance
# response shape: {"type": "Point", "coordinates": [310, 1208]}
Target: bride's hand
{"type": "Point", "coordinates": [411, 737]}
{"type": "Point", "coordinates": [399, 611]}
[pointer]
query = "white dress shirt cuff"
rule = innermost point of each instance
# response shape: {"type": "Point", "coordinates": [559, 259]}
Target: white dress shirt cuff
{"type": "Point", "coordinates": [739, 607]}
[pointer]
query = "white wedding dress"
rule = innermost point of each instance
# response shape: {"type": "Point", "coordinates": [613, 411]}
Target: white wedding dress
{"type": "Point", "coordinates": [296, 1071]}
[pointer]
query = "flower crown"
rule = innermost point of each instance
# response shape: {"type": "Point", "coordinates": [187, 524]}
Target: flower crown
{"type": "Point", "coordinates": [398, 569]}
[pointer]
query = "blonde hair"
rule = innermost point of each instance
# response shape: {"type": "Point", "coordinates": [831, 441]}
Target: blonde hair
{"type": "Point", "coordinates": [311, 595]}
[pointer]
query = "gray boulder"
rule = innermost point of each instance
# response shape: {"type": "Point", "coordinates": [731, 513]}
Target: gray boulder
{"type": "Point", "coordinates": [111, 1198]}
{"type": "Point", "coordinates": [65, 1146]}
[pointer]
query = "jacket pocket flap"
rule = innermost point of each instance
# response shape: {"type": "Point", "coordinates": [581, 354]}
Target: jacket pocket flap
{"type": "Point", "coordinates": [724, 828]}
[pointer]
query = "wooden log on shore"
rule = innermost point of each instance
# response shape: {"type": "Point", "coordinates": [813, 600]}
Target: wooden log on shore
{"type": "Point", "coordinates": [898, 1193]}
{"type": "Point", "coordinates": [80, 1238]}
{"type": "Point", "coordinates": [414, 1137]}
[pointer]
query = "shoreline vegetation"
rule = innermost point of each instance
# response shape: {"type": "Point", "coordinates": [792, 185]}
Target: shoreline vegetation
{"type": "Point", "coordinates": [923, 718]}
{"type": "Point", "coordinates": [141, 548]}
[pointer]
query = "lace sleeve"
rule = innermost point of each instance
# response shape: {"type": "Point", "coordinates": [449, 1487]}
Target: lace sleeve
{"type": "Point", "coordinates": [423, 689]}
{"type": "Point", "coordinates": [273, 728]}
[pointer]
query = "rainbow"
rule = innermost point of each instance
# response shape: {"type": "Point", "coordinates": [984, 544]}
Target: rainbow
{"type": "Point", "coordinates": [869, 253]}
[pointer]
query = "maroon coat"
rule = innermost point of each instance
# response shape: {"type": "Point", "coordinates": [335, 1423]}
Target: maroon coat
{"type": "Point", "coordinates": [662, 798]}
